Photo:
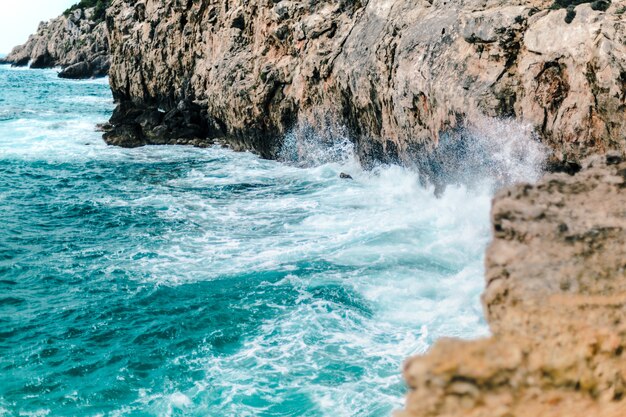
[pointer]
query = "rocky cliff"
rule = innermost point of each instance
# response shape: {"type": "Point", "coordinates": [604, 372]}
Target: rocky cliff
{"type": "Point", "coordinates": [397, 74]}
{"type": "Point", "coordinates": [77, 43]}
{"type": "Point", "coordinates": [555, 299]}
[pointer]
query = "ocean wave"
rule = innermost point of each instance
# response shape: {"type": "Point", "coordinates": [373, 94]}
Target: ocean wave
{"type": "Point", "coordinates": [184, 281]}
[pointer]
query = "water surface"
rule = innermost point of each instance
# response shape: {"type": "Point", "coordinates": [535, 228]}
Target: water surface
{"type": "Point", "coordinates": [183, 281]}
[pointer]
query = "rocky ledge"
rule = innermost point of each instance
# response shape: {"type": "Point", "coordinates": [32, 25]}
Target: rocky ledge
{"type": "Point", "coordinates": [555, 300]}
{"type": "Point", "coordinates": [396, 73]}
{"type": "Point", "coordinates": [76, 42]}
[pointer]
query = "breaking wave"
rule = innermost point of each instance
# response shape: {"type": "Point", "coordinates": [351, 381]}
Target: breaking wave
{"type": "Point", "coordinates": [182, 281]}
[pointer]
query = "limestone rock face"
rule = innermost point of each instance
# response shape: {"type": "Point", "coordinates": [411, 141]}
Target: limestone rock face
{"type": "Point", "coordinates": [395, 73]}
{"type": "Point", "coordinates": [75, 42]}
{"type": "Point", "coordinates": [556, 302]}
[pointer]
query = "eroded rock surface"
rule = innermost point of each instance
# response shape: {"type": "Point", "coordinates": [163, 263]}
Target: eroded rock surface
{"type": "Point", "coordinates": [396, 73]}
{"type": "Point", "coordinates": [556, 303]}
{"type": "Point", "coordinates": [77, 43]}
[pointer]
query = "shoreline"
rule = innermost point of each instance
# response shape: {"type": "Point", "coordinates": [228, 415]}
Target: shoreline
{"type": "Point", "coordinates": [411, 94]}
{"type": "Point", "coordinates": [555, 303]}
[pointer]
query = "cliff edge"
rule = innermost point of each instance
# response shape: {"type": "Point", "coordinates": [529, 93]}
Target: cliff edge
{"type": "Point", "coordinates": [76, 41]}
{"type": "Point", "coordinates": [398, 74]}
{"type": "Point", "coordinates": [555, 300]}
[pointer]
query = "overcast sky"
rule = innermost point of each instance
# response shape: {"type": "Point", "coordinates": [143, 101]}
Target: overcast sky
{"type": "Point", "coordinates": [20, 18]}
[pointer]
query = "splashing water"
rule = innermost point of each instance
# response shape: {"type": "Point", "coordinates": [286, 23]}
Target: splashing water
{"type": "Point", "coordinates": [499, 151]}
{"type": "Point", "coordinates": [182, 281]}
{"type": "Point", "coordinates": [309, 147]}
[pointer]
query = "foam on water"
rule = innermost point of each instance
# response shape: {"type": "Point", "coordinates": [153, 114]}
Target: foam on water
{"type": "Point", "coordinates": [182, 281]}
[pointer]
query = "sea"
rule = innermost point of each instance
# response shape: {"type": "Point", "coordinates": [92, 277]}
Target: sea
{"type": "Point", "coordinates": [178, 281]}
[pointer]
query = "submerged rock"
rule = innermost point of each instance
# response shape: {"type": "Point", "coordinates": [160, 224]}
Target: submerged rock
{"type": "Point", "coordinates": [555, 300]}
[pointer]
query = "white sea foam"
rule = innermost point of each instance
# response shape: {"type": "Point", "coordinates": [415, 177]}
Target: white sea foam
{"type": "Point", "coordinates": [415, 261]}
{"type": "Point", "coordinates": [379, 267]}
{"type": "Point", "coordinates": [86, 100]}
{"type": "Point", "coordinates": [180, 400]}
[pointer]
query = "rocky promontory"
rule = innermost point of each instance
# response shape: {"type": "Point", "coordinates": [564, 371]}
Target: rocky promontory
{"type": "Point", "coordinates": [397, 74]}
{"type": "Point", "coordinates": [555, 300]}
{"type": "Point", "coordinates": [76, 41]}
{"type": "Point", "coordinates": [400, 76]}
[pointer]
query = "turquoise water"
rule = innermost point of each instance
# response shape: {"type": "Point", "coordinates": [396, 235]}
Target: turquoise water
{"type": "Point", "coordinates": [203, 282]}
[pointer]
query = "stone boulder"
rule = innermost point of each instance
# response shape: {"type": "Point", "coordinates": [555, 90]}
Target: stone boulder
{"type": "Point", "coordinates": [97, 67]}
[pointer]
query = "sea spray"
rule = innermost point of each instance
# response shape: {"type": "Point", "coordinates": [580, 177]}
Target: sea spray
{"type": "Point", "coordinates": [310, 146]}
{"type": "Point", "coordinates": [183, 281]}
{"type": "Point", "coordinates": [494, 151]}
{"type": "Point", "coordinates": [500, 151]}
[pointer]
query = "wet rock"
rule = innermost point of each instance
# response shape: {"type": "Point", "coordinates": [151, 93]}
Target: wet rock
{"type": "Point", "coordinates": [104, 127]}
{"type": "Point", "coordinates": [19, 62]}
{"type": "Point", "coordinates": [180, 125]}
{"type": "Point", "coordinates": [397, 77]}
{"type": "Point", "coordinates": [77, 71]}
{"type": "Point", "coordinates": [126, 136]}
{"type": "Point", "coordinates": [345, 176]}
{"type": "Point", "coordinates": [43, 60]}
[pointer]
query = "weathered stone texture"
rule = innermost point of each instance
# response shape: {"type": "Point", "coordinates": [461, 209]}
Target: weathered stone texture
{"type": "Point", "coordinates": [556, 303]}
{"type": "Point", "coordinates": [395, 73]}
{"type": "Point", "coordinates": [75, 43]}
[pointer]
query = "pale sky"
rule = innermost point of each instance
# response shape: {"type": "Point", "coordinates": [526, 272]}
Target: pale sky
{"type": "Point", "coordinates": [20, 18]}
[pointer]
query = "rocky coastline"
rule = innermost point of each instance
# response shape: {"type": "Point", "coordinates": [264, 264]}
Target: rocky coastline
{"type": "Point", "coordinates": [400, 77]}
{"type": "Point", "coordinates": [76, 42]}
{"type": "Point", "coordinates": [247, 74]}
{"type": "Point", "coordinates": [396, 74]}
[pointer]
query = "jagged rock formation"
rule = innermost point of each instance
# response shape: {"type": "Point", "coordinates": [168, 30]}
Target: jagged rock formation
{"type": "Point", "coordinates": [77, 43]}
{"type": "Point", "coordinates": [556, 302]}
{"type": "Point", "coordinates": [395, 73]}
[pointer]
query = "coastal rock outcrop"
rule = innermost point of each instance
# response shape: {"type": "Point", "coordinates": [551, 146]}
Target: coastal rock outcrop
{"type": "Point", "coordinates": [555, 300]}
{"type": "Point", "coordinates": [396, 73]}
{"type": "Point", "coordinates": [76, 42]}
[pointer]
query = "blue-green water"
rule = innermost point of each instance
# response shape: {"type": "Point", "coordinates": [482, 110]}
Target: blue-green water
{"type": "Point", "coordinates": [203, 282]}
